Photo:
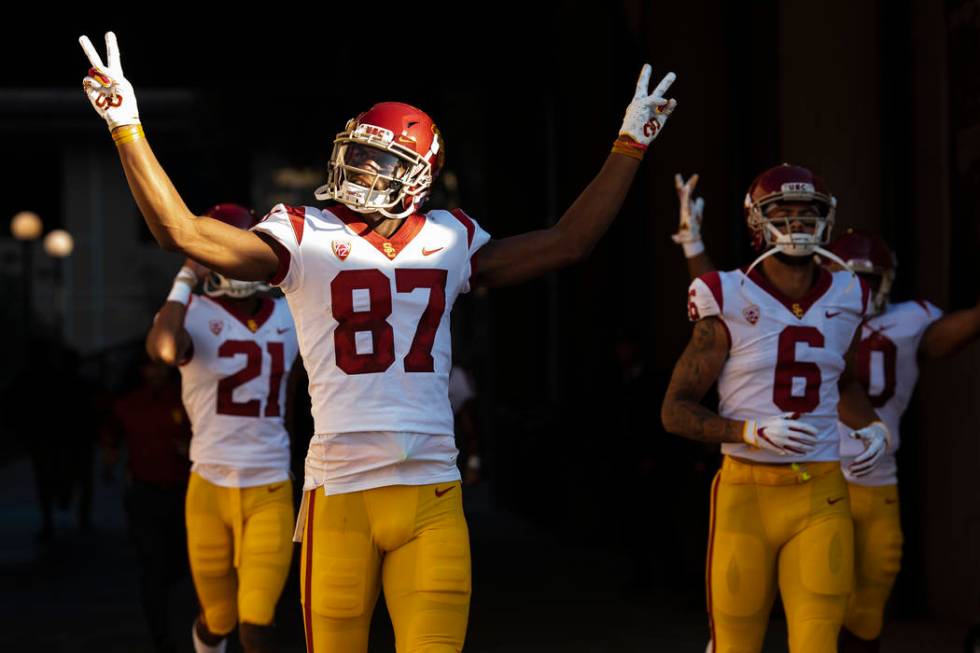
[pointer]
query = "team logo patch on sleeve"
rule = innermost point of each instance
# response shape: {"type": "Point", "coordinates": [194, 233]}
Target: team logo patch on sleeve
{"type": "Point", "coordinates": [216, 326]}
{"type": "Point", "coordinates": [751, 314]}
{"type": "Point", "coordinates": [341, 248]}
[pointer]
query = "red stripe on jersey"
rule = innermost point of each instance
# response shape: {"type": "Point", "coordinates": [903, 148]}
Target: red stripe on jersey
{"type": "Point", "coordinates": [297, 218]}
{"type": "Point", "coordinates": [467, 222]}
{"type": "Point", "coordinates": [820, 286]}
{"type": "Point", "coordinates": [925, 306]}
{"type": "Point", "coordinates": [308, 580]}
{"type": "Point", "coordinates": [711, 551]}
{"type": "Point", "coordinates": [865, 294]}
{"type": "Point", "coordinates": [713, 281]}
{"type": "Point", "coordinates": [282, 254]}
{"type": "Point", "coordinates": [410, 228]}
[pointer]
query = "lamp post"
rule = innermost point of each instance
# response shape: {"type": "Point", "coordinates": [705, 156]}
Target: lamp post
{"type": "Point", "coordinates": [26, 227]}
{"type": "Point", "coordinates": [58, 244]}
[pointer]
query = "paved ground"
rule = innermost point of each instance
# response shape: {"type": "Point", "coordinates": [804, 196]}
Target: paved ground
{"type": "Point", "coordinates": [531, 593]}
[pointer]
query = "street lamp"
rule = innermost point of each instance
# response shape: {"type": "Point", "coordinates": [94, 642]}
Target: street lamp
{"type": "Point", "coordinates": [59, 244]}
{"type": "Point", "coordinates": [26, 227]}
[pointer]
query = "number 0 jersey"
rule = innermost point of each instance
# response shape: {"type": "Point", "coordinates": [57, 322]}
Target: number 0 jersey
{"type": "Point", "coordinates": [785, 356]}
{"type": "Point", "coordinates": [888, 368]}
{"type": "Point", "coordinates": [372, 316]}
{"type": "Point", "coordinates": [234, 384]}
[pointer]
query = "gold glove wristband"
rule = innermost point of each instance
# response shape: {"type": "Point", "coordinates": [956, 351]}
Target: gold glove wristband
{"type": "Point", "coordinates": [627, 146]}
{"type": "Point", "coordinates": [127, 134]}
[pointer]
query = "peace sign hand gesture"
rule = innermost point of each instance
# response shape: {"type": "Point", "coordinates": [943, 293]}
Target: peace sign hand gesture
{"type": "Point", "coordinates": [110, 93]}
{"type": "Point", "coordinates": [647, 113]}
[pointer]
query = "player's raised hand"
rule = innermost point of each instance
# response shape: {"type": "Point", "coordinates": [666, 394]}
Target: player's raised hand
{"type": "Point", "coordinates": [784, 435]}
{"type": "Point", "coordinates": [647, 113]}
{"type": "Point", "coordinates": [108, 90]}
{"type": "Point", "coordinates": [691, 212]}
{"type": "Point", "coordinates": [875, 437]}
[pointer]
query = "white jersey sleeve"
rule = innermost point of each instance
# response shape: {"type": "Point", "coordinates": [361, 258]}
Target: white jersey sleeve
{"type": "Point", "coordinates": [286, 225]}
{"type": "Point", "coordinates": [476, 238]}
{"type": "Point", "coordinates": [705, 297]}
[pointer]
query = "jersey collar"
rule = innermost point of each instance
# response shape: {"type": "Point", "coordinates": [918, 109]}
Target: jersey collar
{"type": "Point", "coordinates": [252, 322]}
{"type": "Point", "coordinates": [390, 247]}
{"type": "Point", "coordinates": [798, 307]}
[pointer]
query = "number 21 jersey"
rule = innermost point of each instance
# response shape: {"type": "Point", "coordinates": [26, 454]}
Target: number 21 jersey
{"type": "Point", "coordinates": [234, 383]}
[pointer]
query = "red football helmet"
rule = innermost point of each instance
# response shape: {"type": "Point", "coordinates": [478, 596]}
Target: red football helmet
{"type": "Point", "coordinates": [869, 254]}
{"type": "Point", "coordinates": [385, 160]}
{"type": "Point", "coordinates": [789, 183]}
{"type": "Point", "coordinates": [215, 284]}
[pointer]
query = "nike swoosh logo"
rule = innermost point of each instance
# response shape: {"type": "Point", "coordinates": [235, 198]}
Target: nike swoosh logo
{"type": "Point", "coordinates": [281, 331]}
{"type": "Point", "coordinates": [829, 315]}
{"type": "Point", "coordinates": [273, 488]}
{"type": "Point", "coordinates": [439, 492]}
{"type": "Point", "coordinates": [430, 252]}
{"type": "Point", "coordinates": [833, 501]}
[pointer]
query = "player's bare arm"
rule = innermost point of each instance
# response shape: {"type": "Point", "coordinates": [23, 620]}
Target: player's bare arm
{"type": "Point", "coordinates": [518, 258]}
{"type": "Point", "coordinates": [696, 370]}
{"type": "Point", "coordinates": [232, 252]}
{"type": "Point", "coordinates": [688, 234]}
{"type": "Point", "coordinates": [950, 333]}
{"type": "Point", "coordinates": [168, 341]}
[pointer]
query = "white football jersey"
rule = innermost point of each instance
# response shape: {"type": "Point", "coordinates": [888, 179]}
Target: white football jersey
{"type": "Point", "coordinates": [234, 383]}
{"type": "Point", "coordinates": [785, 356]}
{"type": "Point", "coordinates": [372, 316]}
{"type": "Point", "coordinates": [888, 368]}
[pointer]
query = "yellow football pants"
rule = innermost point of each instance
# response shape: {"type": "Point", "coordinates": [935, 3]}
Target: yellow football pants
{"type": "Point", "coordinates": [785, 524]}
{"type": "Point", "coordinates": [410, 539]}
{"type": "Point", "coordinates": [240, 544]}
{"type": "Point", "coordinates": [877, 556]}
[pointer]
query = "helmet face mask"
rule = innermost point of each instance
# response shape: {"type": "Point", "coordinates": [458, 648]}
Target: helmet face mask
{"type": "Point", "coordinates": [384, 161]}
{"type": "Point", "coordinates": [218, 285]}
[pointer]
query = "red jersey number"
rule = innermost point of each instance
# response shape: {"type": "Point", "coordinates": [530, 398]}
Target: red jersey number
{"type": "Point", "coordinates": [889, 361]}
{"type": "Point", "coordinates": [253, 368]}
{"type": "Point", "coordinates": [788, 369]}
{"type": "Point", "coordinates": [374, 320]}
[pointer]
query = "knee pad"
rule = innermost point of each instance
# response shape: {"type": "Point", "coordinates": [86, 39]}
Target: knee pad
{"type": "Point", "coordinates": [827, 557]}
{"type": "Point", "coordinates": [444, 565]}
{"type": "Point", "coordinates": [741, 574]}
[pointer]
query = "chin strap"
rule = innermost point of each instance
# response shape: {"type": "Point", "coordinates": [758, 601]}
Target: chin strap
{"type": "Point", "coordinates": [766, 254]}
{"type": "Point", "coordinates": [816, 250]}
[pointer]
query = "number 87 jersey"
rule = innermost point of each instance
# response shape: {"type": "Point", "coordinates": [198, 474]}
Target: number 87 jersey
{"type": "Point", "coordinates": [785, 356]}
{"type": "Point", "coordinates": [372, 313]}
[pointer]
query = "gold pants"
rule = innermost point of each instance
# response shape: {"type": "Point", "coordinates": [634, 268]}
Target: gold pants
{"type": "Point", "coordinates": [785, 525]}
{"type": "Point", "coordinates": [240, 545]}
{"type": "Point", "coordinates": [413, 541]}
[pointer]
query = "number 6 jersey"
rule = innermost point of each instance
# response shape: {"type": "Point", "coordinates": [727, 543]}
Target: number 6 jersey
{"type": "Point", "coordinates": [234, 385]}
{"type": "Point", "coordinates": [372, 315]}
{"type": "Point", "coordinates": [785, 356]}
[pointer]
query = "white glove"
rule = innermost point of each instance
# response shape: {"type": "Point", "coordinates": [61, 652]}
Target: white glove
{"type": "Point", "coordinates": [875, 437]}
{"type": "Point", "coordinates": [689, 231]}
{"type": "Point", "coordinates": [109, 92]}
{"type": "Point", "coordinates": [646, 114]}
{"type": "Point", "coordinates": [783, 435]}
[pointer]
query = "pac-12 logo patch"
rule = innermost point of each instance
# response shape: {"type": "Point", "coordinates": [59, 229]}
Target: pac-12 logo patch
{"type": "Point", "coordinates": [341, 248]}
{"type": "Point", "coordinates": [751, 314]}
{"type": "Point", "coordinates": [216, 326]}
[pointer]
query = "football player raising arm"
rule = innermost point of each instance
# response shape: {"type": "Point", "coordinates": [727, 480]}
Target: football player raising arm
{"type": "Point", "coordinates": [688, 233]}
{"type": "Point", "coordinates": [246, 256]}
